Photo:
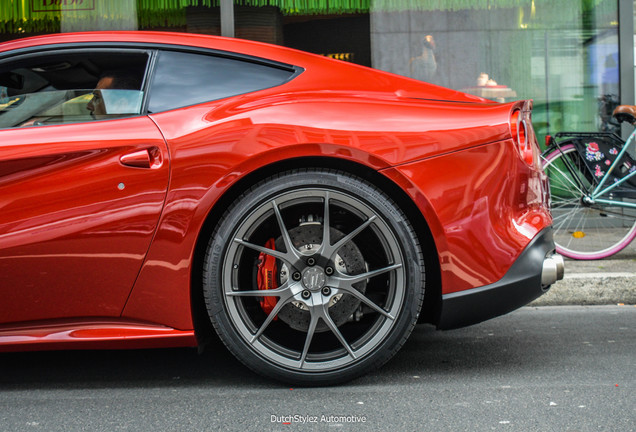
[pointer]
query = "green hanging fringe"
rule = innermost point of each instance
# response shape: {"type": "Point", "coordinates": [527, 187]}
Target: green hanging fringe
{"type": "Point", "coordinates": [19, 16]}
{"type": "Point", "coordinates": [455, 5]}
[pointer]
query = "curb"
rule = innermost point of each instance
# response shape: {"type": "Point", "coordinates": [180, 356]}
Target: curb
{"type": "Point", "coordinates": [603, 282]}
{"type": "Point", "coordinates": [591, 289]}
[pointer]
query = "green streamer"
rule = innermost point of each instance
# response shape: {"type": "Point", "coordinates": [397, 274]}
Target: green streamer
{"type": "Point", "coordinates": [19, 16]}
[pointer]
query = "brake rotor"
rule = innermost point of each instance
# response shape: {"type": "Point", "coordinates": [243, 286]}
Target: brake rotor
{"type": "Point", "coordinates": [349, 260]}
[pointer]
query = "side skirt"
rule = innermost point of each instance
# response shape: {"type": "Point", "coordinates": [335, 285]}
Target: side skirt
{"type": "Point", "coordinates": [91, 333]}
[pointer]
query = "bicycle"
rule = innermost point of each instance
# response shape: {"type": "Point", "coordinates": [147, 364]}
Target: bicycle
{"type": "Point", "coordinates": [593, 190]}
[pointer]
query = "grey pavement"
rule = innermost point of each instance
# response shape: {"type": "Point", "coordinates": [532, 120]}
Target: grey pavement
{"type": "Point", "coordinates": [561, 369]}
{"type": "Point", "coordinates": [600, 282]}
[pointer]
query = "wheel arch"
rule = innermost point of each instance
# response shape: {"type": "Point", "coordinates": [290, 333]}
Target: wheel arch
{"type": "Point", "coordinates": [431, 307]}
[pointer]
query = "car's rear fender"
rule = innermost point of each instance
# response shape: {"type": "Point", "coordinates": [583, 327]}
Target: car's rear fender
{"type": "Point", "coordinates": [490, 205]}
{"type": "Point", "coordinates": [391, 186]}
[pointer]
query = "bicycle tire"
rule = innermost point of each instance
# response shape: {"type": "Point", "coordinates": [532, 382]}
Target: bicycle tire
{"type": "Point", "coordinates": [583, 231]}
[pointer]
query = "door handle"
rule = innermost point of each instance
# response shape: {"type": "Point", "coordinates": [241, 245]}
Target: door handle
{"type": "Point", "coordinates": [149, 158]}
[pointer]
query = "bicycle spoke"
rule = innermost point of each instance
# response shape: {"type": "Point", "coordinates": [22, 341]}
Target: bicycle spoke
{"type": "Point", "coordinates": [584, 230]}
{"type": "Point", "coordinates": [566, 177]}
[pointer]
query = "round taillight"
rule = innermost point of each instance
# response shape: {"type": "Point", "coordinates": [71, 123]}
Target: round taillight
{"type": "Point", "coordinates": [514, 124]}
{"type": "Point", "coordinates": [520, 136]}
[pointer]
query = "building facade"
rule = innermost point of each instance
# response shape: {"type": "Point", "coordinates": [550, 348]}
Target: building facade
{"type": "Point", "coordinates": [574, 58]}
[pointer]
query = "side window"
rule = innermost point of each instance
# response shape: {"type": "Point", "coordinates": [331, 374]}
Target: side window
{"type": "Point", "coordinates": [71, 86]}
{"type": "Point", "coordinates": [183, 79]}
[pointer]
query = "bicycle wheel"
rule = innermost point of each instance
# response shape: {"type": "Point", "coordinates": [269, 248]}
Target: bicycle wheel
{"type": "Point", "coordinates": [584, 231]}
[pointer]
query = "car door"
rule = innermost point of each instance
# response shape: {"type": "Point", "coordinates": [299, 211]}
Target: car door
{"type": "Point", "coordinates": [80, 193]}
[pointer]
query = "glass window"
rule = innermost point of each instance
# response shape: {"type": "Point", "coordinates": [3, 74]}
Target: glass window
{"type": "Point", "coordinates": [183, 79]}
{"type": "Point", "coordinates": [70, 87]}
{"type": "Point", "coordinates": [563, 54]}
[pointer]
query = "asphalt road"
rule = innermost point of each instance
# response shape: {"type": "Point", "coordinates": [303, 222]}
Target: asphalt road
{"type": "Point", "coordinates": [537, 369]}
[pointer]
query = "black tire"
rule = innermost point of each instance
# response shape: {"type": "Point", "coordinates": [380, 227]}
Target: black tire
{"type": "Point", "coordinates": [343, 307]}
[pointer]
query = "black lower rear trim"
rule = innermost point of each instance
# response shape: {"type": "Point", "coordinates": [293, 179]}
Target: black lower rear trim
{"type": "Point", "coordinates": [519, 286]}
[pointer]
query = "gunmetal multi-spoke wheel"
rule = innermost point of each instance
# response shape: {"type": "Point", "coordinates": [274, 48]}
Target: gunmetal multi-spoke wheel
{"type": "Point", "coordinates": [314, 277]}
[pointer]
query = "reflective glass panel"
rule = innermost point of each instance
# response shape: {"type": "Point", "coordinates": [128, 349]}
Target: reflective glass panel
{"type": "Point", "coordinates": [563, 54]}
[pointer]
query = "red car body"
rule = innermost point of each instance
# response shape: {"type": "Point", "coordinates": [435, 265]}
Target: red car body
{"type": "Point", "coordinates": [103, 225]}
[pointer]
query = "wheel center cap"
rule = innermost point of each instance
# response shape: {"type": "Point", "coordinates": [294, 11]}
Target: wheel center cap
{"type": "Point", "coordinates": [314, 278]}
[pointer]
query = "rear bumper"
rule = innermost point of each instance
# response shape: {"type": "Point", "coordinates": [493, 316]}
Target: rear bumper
{"type": "Point", "coordinates": [528, 278]}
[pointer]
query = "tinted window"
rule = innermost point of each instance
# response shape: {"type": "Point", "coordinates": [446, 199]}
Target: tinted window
{"type": "Point", "coordinates": [71, 86]}
{"type": "Point", "coordinates": [183, 79]}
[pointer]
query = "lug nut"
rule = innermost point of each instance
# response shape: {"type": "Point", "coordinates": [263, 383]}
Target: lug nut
{"type": "Point", "coordinates": [296, 276]}
{"type": "Point", "coordinates": [311, 261]}
{"type": "Point", "coordinates": [326, 291]}
{"type": "Point", "coordinates": [329, 271]}
{"type": "Point", "coordinates": [305, 294]}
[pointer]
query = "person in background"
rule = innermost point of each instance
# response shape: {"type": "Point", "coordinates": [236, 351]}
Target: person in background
{"type": "Point", "coordinates": [424, 66]}
{"type": "Point", "coordinates": [111, 80]}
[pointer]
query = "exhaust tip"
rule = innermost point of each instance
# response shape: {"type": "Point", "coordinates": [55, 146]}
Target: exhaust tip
{"type": "Point", "coordinates": [553, 269]}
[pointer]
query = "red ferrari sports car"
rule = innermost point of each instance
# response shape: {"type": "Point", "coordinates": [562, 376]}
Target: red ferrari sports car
{"type": "Point", "coordinates": [156, 188]}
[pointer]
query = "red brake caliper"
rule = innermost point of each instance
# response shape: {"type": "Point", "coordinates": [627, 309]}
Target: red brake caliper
{"type": "Point", "coordinates": [267, 276]}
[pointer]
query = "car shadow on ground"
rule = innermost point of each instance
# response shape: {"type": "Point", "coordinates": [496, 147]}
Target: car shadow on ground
{"type": "Point", "coordinates": [124, 368]}
{"type": "Point", "coordinates": [485, 348]}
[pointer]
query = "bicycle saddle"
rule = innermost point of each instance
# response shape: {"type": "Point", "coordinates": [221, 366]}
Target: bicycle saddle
{"type": "Point", "coordinates": [625, 113]}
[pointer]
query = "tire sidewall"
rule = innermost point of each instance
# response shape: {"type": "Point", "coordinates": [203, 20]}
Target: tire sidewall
{"type": "Point", "coordinates": [292, 181]}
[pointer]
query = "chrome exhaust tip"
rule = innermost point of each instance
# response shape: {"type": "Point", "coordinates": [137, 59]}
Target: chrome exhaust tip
{"type": "Point", "coordinates": [553, 269]}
